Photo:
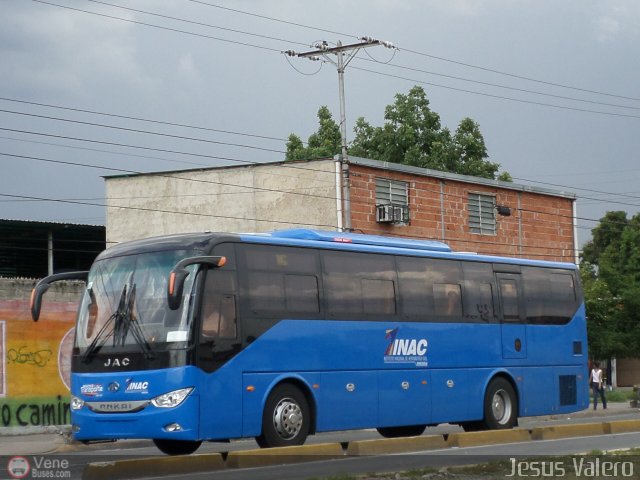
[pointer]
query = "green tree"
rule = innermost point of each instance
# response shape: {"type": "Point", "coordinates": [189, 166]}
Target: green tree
{"type": "Point", "coordinates": [326, 142]}
{"type": "Point", "coordinates": [410, 131]}
{"type": "Point", "coordinates": [607, 232]}
{"type": "Point", "coordinates": [604, 337]}
{"type": "Point", "coordinates": [412, 135]}
{"type": "Point", "coordinates": [611, 277]}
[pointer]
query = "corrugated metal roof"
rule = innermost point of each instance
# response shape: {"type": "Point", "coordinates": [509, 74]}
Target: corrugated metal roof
{"type": "Point", "coordinates": [24, 247]}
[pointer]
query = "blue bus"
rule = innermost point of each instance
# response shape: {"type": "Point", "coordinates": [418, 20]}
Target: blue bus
{"type": "Point", "coordinates": [209, 337]}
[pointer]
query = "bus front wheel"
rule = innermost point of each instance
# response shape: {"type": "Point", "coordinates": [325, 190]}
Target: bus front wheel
{"type": "Point", "coordinates": [176, 447]}
{"type": "Point", "coordinates": [286, 418]}
{"type": "Point", "coordinates": [500, 405]}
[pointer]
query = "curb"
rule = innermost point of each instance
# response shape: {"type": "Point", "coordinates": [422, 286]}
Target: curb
{"type": "Point", "coordinates": [396, 445]}
{"type": "Point", "coordinates": [567, 431]}
{"type": "Point", "coordinates": [144, 467]}
{"type": "Point", "coordinates": [474, 439]}
{"type": "Point", "coordinates": [283, 455]}
{"type": "Point", "coordinates": [622, 426]}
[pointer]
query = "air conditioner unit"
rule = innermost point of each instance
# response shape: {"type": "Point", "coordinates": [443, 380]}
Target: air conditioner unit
{"type": "Point", "coordinates": [400, 213]}
{"type": "Point", "coordinates": [392, 213]}
{"type": "Point", "coordinates": [384, 213]}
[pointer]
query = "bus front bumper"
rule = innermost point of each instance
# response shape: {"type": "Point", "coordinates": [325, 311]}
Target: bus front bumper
{"type": "Point", "coordinates": [106, 423]}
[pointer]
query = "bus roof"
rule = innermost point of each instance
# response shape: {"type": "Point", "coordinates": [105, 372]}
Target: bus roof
{"type": "Point", "coordinates": [319, 239]}
{"type": "Point", "coordinates": [357, 238]}
{"type": "Point", "coordinates": [381, 244]}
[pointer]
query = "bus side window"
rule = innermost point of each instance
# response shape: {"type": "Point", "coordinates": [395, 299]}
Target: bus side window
{"type": "Point", "coordinates": [219, 319]}
{"type": "Point", "coordinates": [447, 299]}
{"type": "Point", "coordinates": [228, 317]}
{"type": "Point", "coordinates": [218, 313]}
{"type": "Point", "coordinates": [509, 294]}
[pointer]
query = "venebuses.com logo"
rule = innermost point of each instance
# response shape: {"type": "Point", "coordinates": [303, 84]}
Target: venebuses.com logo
{"type": "Point", "coordinates": [38, 467]}
{"type": "Point", "coordinates": [18, 467]}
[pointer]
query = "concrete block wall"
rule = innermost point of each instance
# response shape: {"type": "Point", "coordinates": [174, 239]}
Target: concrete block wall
{"type": "Point", "coordinates": [254, 198]}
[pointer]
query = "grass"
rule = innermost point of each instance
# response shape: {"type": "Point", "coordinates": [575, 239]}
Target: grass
{"type": "Point", "coordinates": [618, 395]}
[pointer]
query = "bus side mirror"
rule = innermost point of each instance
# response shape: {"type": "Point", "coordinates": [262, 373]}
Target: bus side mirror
{"type": "Point", "coordinates": [179, 274]}
{"type": "Point", "coordinates": [43, 285]}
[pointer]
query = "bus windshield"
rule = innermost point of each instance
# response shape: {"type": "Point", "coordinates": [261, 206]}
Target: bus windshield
{"type": "Point", "coordinates": [125, 306]}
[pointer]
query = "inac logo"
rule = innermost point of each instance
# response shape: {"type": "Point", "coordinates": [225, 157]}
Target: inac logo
{"type": "Point", "coordinates": [138, 387]}
{"type": "Point", "coordinates": [405, 350]}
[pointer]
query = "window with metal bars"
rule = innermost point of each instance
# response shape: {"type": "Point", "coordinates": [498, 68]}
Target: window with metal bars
{"type": "Point", "coordinates": [482, 214]}
{"type": "Point", "coordinates": [391, 191]}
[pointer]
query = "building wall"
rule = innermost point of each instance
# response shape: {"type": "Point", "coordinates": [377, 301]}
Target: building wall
{"type": "Point", "coordinates": [235, 199]}
{"type": "Point", "coordinates": [540, 226]}
{"type": "Point", "coordinates": [628, 372]}
{"type": "Point", "coordinates": [35, 356]}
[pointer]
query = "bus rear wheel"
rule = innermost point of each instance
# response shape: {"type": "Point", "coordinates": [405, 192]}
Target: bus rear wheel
{"type": "Point", "coordinates": [407, 431]}
{"type": "Point", "coordinates": [286, 418]}
{"type": "Point", "coordinates": [176, 447]}
{"type": "Point", "coordinates": [500, 405]}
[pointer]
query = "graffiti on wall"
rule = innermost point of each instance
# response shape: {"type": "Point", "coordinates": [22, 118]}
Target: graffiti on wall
{"type": "Point", "coordinates": [37, 411]}
{"type": "Point", "coordinates": [39, 358]}
{"type": "Point", "coordinates": [3, 386]}
{"type": "Point", "coordinates": [35, 360]}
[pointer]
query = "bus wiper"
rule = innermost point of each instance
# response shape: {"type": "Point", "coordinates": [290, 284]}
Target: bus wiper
{"type": "Point", "coordinates": [122, 321]}
{"type": "Point", "coordinates": [101, 338]}
{"type": "Point", "coordinates": [130, 322]}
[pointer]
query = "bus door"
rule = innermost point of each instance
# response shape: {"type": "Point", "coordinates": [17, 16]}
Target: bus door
{"type": "Point", "coordinates": [511, 314]}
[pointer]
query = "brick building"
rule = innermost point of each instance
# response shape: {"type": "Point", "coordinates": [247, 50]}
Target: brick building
{"type": "Point", "coordinates": [469, 213]}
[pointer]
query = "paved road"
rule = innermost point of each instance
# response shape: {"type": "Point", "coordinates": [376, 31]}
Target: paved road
{"type": "Point", "coordinates": [77, 456]}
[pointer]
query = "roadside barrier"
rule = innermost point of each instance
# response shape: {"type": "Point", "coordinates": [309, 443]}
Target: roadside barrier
{"type": "Point", "coordinates": [207, 462]}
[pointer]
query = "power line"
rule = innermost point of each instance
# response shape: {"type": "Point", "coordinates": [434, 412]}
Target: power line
{"type": "Point", "coordinates": [427, 55]}
{"type": "Point", "coordinates": [234, 159]}
{"type": "Point", "coordinates": [185, 32]}
{"type": "Point", "coordinates": [244, 162]}
{"type": "Point", "coordinates": [506, 87]}
{"type": "Point", "coordinates": [194, 22]}
{"type": "Point", "coordinates": [208, 4]}
{"type": "Point", "coordinates": [636, 197]}
{"type": "Point", "coordinates": [255, 163]}
{"type": "Point", "coordinates": [499, 97]}
{"type": "Point", "coordinates": [141, 119]}
{"type": "Point", "coordinates": [249, 188]}
{"type": "Point", "coordinates": [520, 77]}
{"type": "Point", "coordinates": [110, 152]}
{"type": "Point", "coordinates": [146, 132]}
{"type": "Point", "coordinates": [157, 210]}
{"type": "Point", "coordinates": [394, 76]}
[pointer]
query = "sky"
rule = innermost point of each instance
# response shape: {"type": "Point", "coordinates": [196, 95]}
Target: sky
{"type": "Point", "coordinates": [92, 88]}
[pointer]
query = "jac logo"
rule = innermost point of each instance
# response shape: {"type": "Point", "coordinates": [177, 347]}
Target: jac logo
{"type": "Point", "coordinates": [117, 362]}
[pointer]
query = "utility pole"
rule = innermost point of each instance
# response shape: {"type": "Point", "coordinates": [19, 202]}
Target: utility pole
{"type": "Point", "coordinates": [323, 49]}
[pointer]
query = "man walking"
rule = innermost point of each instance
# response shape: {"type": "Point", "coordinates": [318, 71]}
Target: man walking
{"type": "Point", "coordinates": [597, 386]}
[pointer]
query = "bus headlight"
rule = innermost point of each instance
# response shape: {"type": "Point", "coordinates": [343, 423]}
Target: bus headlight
{"type": "Point", "coordinates": [171, 399]}
{"type": "Point", "coordinates": [76, 403]}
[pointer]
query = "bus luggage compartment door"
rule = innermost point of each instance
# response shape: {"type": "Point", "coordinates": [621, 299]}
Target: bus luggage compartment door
{"type": "Point", "coordinates": [404, 397]}
{"type": "Point", "coordinates": [348, 400]}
